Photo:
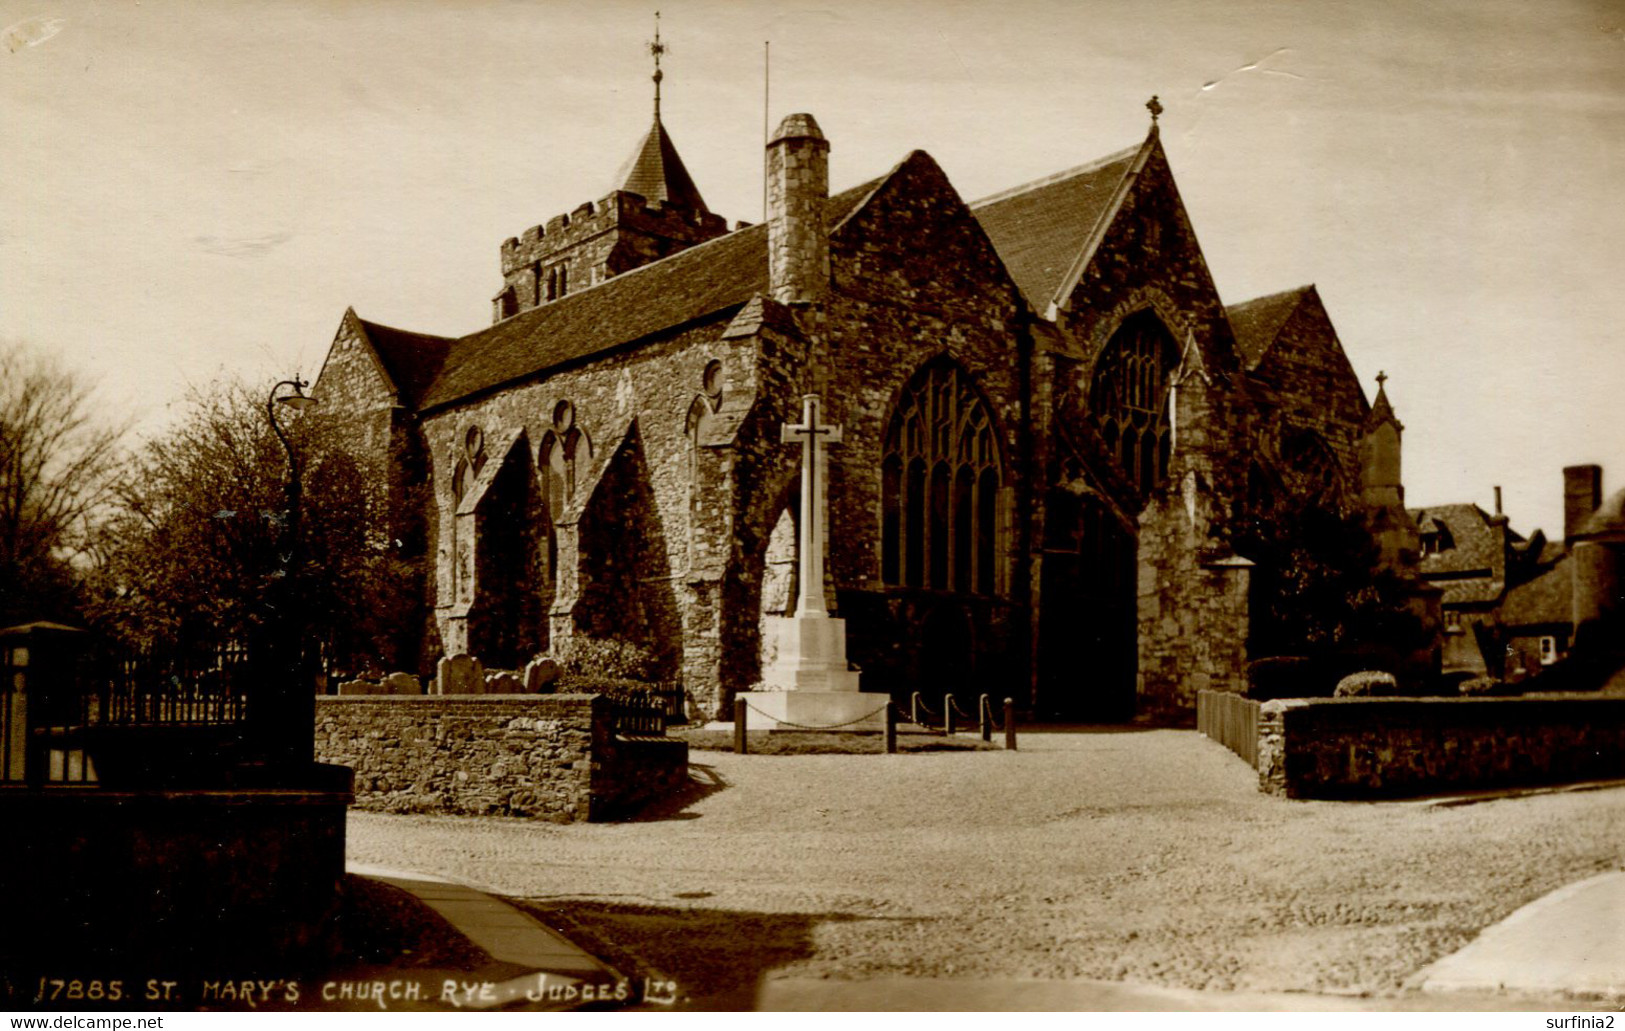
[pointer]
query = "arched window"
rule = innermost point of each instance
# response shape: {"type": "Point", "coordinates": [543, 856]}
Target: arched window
{"type": "Point", "coordinates": [1129, 397]}
{"type": "Point", "coordinates": [939, 486]}
{"type": "Point", "coordinates": [1311, 462]}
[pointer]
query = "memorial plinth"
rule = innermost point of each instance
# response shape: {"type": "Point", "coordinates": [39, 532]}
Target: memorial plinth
{"type": "Point", "coordinates": [808, 685]}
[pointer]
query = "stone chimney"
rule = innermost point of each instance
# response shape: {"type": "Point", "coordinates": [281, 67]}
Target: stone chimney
{"type": "Point", "coordinates": [1582, 494]}
{"type": "Point", "coordinates": [797, 193]}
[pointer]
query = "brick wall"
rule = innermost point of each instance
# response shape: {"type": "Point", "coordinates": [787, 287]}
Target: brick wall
{"type": "Point", "coordinates": [551, 757]}
{"type": "Point", "coordinates": [1361, 748]}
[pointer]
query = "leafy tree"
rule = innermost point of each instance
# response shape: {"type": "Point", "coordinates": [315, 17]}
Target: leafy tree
{"type": "Point", "coordinates": [55, 460]}
{"type": "Point", "coordinates": [197, 551]}
{"type": "Point", "coordinates": [1319, 587]}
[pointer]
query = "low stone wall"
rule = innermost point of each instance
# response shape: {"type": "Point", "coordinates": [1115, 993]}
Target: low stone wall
{"type": "Point", "coordinates": [550, 757]}
{"type": "Point", "coordinates": [1388, 747]}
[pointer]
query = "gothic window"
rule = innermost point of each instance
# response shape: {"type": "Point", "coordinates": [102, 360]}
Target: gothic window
{"type": "Point", "coordinates": [939, 485]}
{"type": "Point", "coordinates": [1129, 398]}
{"type": "Point", "coordinates": [564, 451]}
{"type": "Point", "coordinates": [553, 283]}
{"type": "Point", "coordinates": [507, 303]}
{"type": "Point", "coordinates": [1311, 461]}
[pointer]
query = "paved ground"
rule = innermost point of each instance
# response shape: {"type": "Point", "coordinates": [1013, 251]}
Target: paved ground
{"type": "Point", "coordinates": [1146, 859]}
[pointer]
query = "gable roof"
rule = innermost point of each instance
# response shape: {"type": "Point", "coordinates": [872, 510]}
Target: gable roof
{"type": "Point", "coordinates": [656, 173]}
{"type": "Point", "coordinates": [1256, 323]}
{"type": "Point", "coordinates": [1548, 598]}
{"type": "Point", "coordinates": [1474, 570]}
{"type": "Point", "coordinates": [1041, 227]}
{"type": "Point", "coordinates": [410, 360]}
{"type": "Point", "coordinates": [695, 283]}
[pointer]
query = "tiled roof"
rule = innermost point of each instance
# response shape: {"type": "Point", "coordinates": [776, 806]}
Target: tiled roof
{"type": "Point", "coordinates": [655, 172]}
{"type": "Point", "coordinates": [1475, 542]}
{"type": "Point", "coordinates": [1040, 228]}
{"type": "Point", "coordinates": [690, 285]}
{"type": "Point", "coordinates": [1548, 598]}
{"type": "Point", "coordinates": [1257, 322]}
{"type": "Point", "coordinates": [411, 359]}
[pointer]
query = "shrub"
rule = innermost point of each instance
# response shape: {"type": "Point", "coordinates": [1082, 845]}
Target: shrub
{"type": "Point", "coordinates": [1280, 676]}
{"type": "Point", "coordinates": [1479, 687]}
{"type": "Point", "coordinates": [606, 658]}
{"type": "Point", "coordinates": [1369, 683]}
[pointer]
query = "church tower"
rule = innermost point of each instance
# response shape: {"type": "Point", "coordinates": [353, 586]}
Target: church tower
{"type": "Point", "coordinates": [654, 210]}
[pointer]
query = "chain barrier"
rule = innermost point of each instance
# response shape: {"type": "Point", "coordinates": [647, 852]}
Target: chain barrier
{"type": "Point", "coordinates": [832, 726]}
{"type": "Point", "coordinates": [952, 700]}
{"type": "Point", "coordinates": [992, 719]}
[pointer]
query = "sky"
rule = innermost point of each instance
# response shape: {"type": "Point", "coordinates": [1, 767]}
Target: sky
{"type": "Point", "coordinates": [199, 188]}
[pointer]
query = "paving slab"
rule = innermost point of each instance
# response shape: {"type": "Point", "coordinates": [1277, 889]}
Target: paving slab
{"type": "Point", "coordinates": [529, 951]}
{"type": "Point", "coordinates": [1571, 942]}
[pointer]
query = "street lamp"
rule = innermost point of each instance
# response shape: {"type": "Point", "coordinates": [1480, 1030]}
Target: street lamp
{"type": "Point", "coordinates": [289, 725]}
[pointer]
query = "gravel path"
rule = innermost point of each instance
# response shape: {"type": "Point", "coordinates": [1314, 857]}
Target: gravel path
{"type": "Point", "coordinates": [1144, 856]}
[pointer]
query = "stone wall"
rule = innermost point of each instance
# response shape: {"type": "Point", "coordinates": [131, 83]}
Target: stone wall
{"type": "Point", "coordinates": [551, 757]}
{"type": "Point", "coordinates": [1363, 748]}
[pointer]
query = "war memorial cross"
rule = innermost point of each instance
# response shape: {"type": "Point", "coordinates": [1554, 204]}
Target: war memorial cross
{"type": "Point", "coordinates": [811, 567]}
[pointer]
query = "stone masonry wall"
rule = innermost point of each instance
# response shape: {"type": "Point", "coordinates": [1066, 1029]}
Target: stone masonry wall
{"type": "Point", "coordinates": [1361, 748]}
{"type": "Point", "coordinates": [551, 757]}
{"type": "Point", "coordinates": [915, 279]}
{"type": "Point", "coordinates": [1192, 613]}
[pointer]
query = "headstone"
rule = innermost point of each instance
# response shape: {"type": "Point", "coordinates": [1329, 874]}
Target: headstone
{"type": "Point", "coordinates": [402, 683]}
{"type": "Point", "coordinates": [461, 674]}
{"type": "Point", "coordinates": [503, 682]}
{"type": "Point", "coordinates": [808, 682]}
{"type": "Point", "coordinates": [541, 675]}
{"type": "Point", "coordinates": [354, 687]}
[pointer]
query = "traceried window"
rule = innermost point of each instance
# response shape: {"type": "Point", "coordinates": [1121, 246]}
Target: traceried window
{"type": "Point", "coordinates": [1129, 397]}
{"type": "Point", "coordinates": [940, 482]}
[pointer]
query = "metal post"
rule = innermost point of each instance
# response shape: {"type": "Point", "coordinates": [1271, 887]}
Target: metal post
{"type": "Point", "coordinates": [984, 716]}
{"type": "Point", "coordinates": [948, 714]}
{"type": "Point", "coordinates": [891, 729]}
{"type": "Point", "coordinates": [739, 726]}
{"type": "Point", "coordinates": [914, 708]}
{"type": "Point", "coordinates": [1010, 724]}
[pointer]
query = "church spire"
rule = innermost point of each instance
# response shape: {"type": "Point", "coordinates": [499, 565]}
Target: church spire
{"type": "Point", "coordinates": [654, 171]}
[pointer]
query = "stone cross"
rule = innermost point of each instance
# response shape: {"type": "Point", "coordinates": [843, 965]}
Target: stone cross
{"type": "Point", "coordinates": [811, 566]}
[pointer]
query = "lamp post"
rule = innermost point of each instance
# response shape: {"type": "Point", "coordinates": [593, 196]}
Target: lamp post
{"type": "Point", "coordinates": [289, 725]}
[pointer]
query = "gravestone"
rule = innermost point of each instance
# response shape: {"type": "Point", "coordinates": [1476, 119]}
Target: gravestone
{"type": "Point", "coordinates": [541, 675]}
{"type": "Point", "coordinates": [460, 674]}
{"type": "Point", "coordinates": [402, 683]}
{"type": "Point", "coordinates": [355, 687]}
{"type": "Point", "coordinates": [504, 682]}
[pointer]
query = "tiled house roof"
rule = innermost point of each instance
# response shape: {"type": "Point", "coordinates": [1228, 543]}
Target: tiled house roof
{"type": "Point", "coordinates": [1548, 598]}
{"type": "Point", "coordinates": [1257, 322]}
{"type": "Point", "coordinates": [1040, 228]}
{"type": "Point", "coordinates": [1473, 568]}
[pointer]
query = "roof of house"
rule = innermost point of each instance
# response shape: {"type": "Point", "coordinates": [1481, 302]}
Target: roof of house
{"type": "Point", "coordinates": [1475, 550]}
{"type": "Point", "coordinates": [690, 285]}
{"type": "Point", "coordinates": [1256, 323]}
{"type": "Point", "coordinates": [1041, 227]}
{"type": "Point", "coordinates": [655, 172]}
{"type": "Point", "coordinates": [1548, 598]}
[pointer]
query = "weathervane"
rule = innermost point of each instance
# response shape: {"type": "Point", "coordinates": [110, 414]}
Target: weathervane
{"type": "Point", "coordinates": [656, 48]}
{"type": "Point", "coordinates": [1155, 107]}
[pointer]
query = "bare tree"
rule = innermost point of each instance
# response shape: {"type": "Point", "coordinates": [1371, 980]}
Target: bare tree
{"type": "Point", "coordinates": [56, 454]}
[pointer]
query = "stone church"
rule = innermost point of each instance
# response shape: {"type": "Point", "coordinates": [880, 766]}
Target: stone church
{"type": "Point", "coordinates": [1048, 417]}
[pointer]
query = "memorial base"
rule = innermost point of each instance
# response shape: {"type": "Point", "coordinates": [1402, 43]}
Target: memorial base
{"type": "Point", "coordinates": [834, 711]}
